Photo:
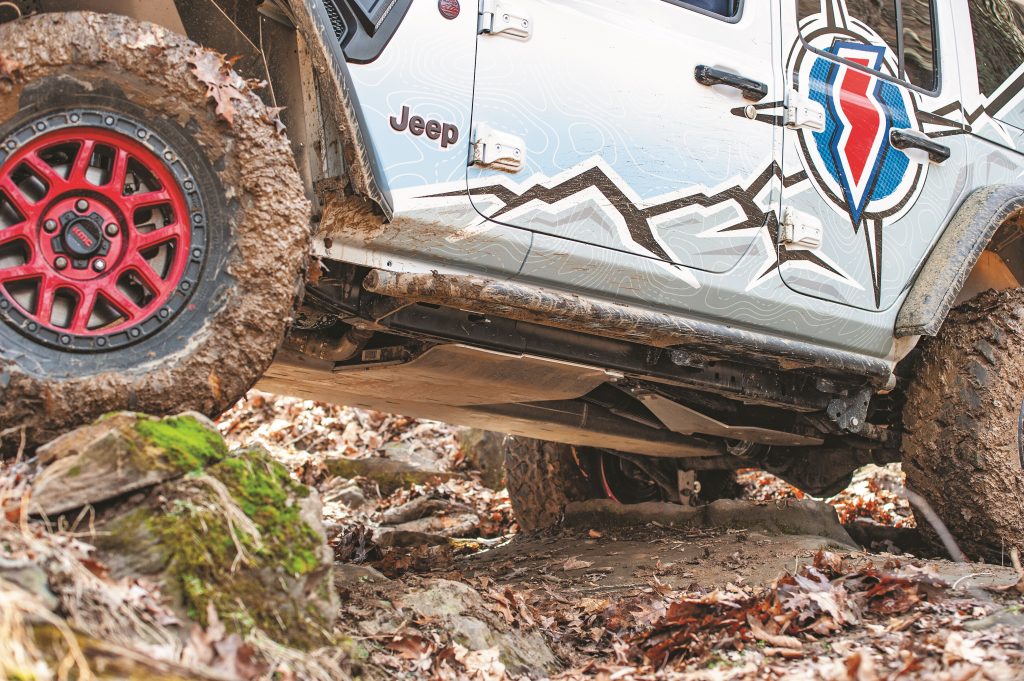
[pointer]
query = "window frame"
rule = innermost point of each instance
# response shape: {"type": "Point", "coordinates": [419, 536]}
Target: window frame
{"type": "Point", "coordinates": [900, 78]}
{"type": "Point", "coordinates": [740, 4]}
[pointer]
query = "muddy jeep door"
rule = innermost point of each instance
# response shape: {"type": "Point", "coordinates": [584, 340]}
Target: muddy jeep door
{"type": "Point", "coordinates": [631, 126]}
{"type": "Point", "coordinates": [874, 151]}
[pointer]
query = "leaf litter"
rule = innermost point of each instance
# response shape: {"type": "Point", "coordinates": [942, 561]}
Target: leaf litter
{"type": "Point", "coordinates": [833, 614]}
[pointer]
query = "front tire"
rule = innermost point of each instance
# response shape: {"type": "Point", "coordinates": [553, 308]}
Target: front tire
{"type": "Point", "coordinates": [150, 251]}
{"type": "Point", "coordinates": [961, 446]}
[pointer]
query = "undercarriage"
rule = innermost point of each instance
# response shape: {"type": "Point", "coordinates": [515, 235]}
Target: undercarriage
{"type": "Point", "coordinates": [352, 346]}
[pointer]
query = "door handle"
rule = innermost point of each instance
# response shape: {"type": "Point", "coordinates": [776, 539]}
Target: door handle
{"type": "Point", "coordinates": [904, 139]}
{"type": "Point", "coordinates": [751, 89]}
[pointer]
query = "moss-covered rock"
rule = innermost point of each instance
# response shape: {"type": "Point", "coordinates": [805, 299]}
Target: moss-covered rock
{"type": "Point", "coordinates": [230, 530]}
{"type": "Point", "coordinates": [240, 534]}
{"type": "Point", "coordinates": [121, 453]}
{"type": "Point", "coordinates": [186, 443]}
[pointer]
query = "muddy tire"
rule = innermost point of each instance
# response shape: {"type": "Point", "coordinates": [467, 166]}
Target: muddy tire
{"type": "Point", "coordinates": [961, 450]}
{"type": "Point", "coordinates": [542, 477]}
{"type": "Point", "coordinates": [151, 252]}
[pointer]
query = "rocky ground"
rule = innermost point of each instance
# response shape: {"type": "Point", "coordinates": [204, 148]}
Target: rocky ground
{"type": "Point", "coordinates": [300, 541]}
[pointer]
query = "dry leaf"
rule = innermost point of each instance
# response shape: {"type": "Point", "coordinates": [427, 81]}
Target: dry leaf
{"type": "Point", "coordinates": [576, 564]}
{"type": "Point", "coordinates": [776, 640]}
{"type": "Point", "coordinates": [483, 665]}
{"type": "Point", "coordinates": [273, 116]}
{"type": "Point", "coordinates": [860, 667]}
{"type": "Point", "coordinates": [223, 84]}
{"type": "Point", "coordinates": [410, 647]}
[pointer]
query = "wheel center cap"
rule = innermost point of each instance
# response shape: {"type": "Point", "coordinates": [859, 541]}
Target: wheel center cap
{"type": "Point", "coordinates": [82, 237]}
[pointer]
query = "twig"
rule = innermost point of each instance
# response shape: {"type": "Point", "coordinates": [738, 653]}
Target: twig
{"type": "Point", "coordinates": [13, 429]}
{"type": "Point", "coordinates": [20, 603]}
{"type": "Point", "coordinates": [922, 505]}
{"type": "Point", "coordinates": [970, 576]}
{"type": "Point", "coordinates": [87, 512]}
{"type": "Point", "coordinates": [15, 564]}
{"type": "Point", "coordinates": [613, 587]}
{"type": "Point", "coordinates": [235, 518]}
{"type": "Point", "coordinates": [300, 436]}
{"type": "Point", "coordinates": [23, 513]}
{"type": "Point", "coordinates": [11, 5]}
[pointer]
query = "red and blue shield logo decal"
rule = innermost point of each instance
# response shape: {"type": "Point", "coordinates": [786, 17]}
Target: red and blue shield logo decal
{"type": "Point", "coordinates": [860, 111]}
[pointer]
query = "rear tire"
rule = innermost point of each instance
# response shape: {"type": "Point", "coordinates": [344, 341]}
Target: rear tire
{"type": "Point", "coordinates": [542, 478]}
{"type": "Point", "coordinates": [961, 447]}
{"type": "Point", "coordinates": [203, 325]}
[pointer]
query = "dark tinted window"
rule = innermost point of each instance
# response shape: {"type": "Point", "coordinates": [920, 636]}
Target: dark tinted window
{"type": "Point", "coordinates": [998, 27]}
{"type": "Point", "coordinates": [880, 15]}
{"type": "Point", "coordinates": [919, 65]}
{"type": "Point", "coordinates": [889, 19]}
{"type": "Point", "coordinates": [725, 8]}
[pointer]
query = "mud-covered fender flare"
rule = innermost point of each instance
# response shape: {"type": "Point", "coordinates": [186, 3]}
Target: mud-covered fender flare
{"type": "Point", "coordinates": [955, 254]}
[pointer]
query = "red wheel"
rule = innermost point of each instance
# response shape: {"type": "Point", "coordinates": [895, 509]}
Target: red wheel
{"type": "Point", "coordinates": [98, 245]}
{"type": "Point", "coordinates": [150, 253]}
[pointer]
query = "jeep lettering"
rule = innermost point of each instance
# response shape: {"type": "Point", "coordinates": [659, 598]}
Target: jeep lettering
{"type": "Point", "coordinates": [446, 132]}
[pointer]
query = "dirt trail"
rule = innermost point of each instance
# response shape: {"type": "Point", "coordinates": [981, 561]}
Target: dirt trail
{"type": "Point", "coordinates": [599, 598]}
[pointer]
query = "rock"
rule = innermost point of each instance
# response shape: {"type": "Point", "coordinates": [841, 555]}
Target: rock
{"type": "Point", "coordinates": [1006, 618]}
{"type": "Point", "coordinates": [239, 534]}
{"type": "Point", "coordinates": [457, 525]}
{"type": "Point", "coordinates": [792, 516]}
{"type": "Point", "coordinates": [346, 574]}
{"type": "Point", "coordinates": [463, 612]}
{"type": "Point", "coordinates": [804, 516]}
{"type": "Point", "coordinates": [605, 512]}
{"type": "Point", "coordinates": [408, 539]}
{"type": "Point", "coordinates": [412, 453]}
{"type": "Point", "coordinates": [484, 452]}
{"type": "Point", "coordinates": [29, 577]}
{"type": "Point", "coordinates": [118, 454]}
{"type": "Point", "coordinates": [389, 475]}
{"type": "Point", "coordinates": [353, 497]}
{"type": "Point", "coordinates": [416, 509]}
{"type": "Point", "coordinates": [346, 492]}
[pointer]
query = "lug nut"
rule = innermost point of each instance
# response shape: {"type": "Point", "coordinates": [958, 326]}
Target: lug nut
{"type": "Point", "coordinates": [81, 205]}
{"type": "Point", "coordinates": [60, 263]}
{"type": "Point", "coordinates": [112, 229]}
{"type": "Point", "coordinates": [50, 225]}
{"type": "Point", "coordinates": [99, 265]}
